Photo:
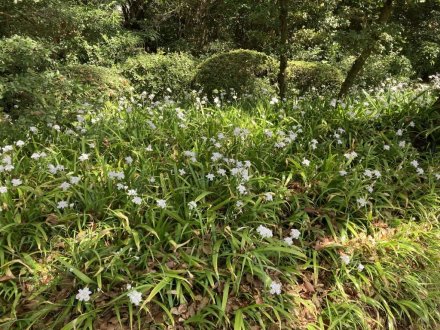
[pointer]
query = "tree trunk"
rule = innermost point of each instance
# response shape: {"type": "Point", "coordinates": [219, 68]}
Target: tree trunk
{"type": "Point", "coordinates": [283, 48]}
{"type": "Point", "coordinates": [133, 12]}
{"type": "Point", "coordinates": [368, 50]}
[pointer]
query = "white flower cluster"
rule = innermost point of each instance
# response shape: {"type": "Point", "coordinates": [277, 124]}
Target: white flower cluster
{"type": "Point", "coordinates": [294, 234]}
{"type": "Point", "coordinates": [264, 231]}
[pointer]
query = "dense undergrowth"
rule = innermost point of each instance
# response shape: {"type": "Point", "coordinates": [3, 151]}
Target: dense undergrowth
{"type": "Point", "coordinates": [245, 215]}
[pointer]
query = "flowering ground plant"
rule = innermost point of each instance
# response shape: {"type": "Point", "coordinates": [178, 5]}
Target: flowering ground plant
{"type": "Point", "coordinates": [308, 214]}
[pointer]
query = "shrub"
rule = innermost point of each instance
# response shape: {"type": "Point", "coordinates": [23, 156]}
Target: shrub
{"type": "Point", "coordinates": [21, 54]}
{"type": "Point", "coordinates": [245, 71]}
{"type": "Point", "coordinates": [154, 73]}
{"type": "Point", "coordinates": [49, 90]}
{"type": "Point", "coordinates": [95, 80]}
{"type": "Point", "coordinates": [305, 76]}
{"type": "Point", "coordinates": [380, 67]}
{"type": "Point", "coordinates": [426, 59]}
{"type": "Point", "coordinates": [113, 49]}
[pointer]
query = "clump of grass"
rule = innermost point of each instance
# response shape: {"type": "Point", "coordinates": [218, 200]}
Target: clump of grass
{"type": "Point", "coordinates": [309, 215]}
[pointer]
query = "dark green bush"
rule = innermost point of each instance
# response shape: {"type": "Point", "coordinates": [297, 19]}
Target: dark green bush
{"type": "Point", "coordinates": [154, 73]}
{"type": "Point", "coordinates": [113, 49]}
{"type": "Point", "coordinates": [51, 90]}
{"type": "Point", "coordinates": [96, 80]}
{"type": "Point", "coordinates": [380, 67]}
{"type": "Point", "coordinates": [305, 76]}
{"type": "Point", "coordinates": [22, 54]}
{"type": "Point", "coordinates": [245, 71]}
{"type": "Point", "coordinates": [77, 33]}
{"type": "Point", "coordinates": [426, 59]}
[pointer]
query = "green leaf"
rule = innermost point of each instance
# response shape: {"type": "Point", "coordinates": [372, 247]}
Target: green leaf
{"type": "Point", "coordinates": [83, 277]}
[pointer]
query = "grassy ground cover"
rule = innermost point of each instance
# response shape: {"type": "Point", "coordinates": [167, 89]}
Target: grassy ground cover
{"type": "Point", "coordinates": [153, 214]}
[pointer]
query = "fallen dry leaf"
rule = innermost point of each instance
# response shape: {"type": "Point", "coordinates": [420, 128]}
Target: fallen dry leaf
{"type": "Point", "coordinates": [6, 278]}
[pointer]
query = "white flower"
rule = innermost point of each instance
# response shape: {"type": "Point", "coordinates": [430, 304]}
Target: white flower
{"type": "Point", "coordinates": [264, 232]}
{"type": "Point", "coordinates": [306, 162]}
{"type": "Point", "coordinates": [162, 203]}
{"type": "Point", "coordinates": [216, 156]}
{"type": "Point", "coordinates": [239, 204]}
{"type": "Point", "coordinates": [182, 172]}
{"type": "Point", "coordinates": [362, 201]}
{"type": "Point", "coordinates": [120, 186]}
{"type": "Point", "coordinates": [402, 144]}
{"type": "Point", "coordinates": [16, 182]}
{"type": "Point", "coordinates": [420, 170]}
{"type": "Point", "coordinates": [192, 205]}
{"type": "Point", "coordinates": [128, 160]}
{"type": "Point", "coordinates": [7, 160]}
{"type": "Point", "coordinates": [132, 192]}
{"type": "Point", "coordinates": [64, 186]}
{"type": "Point", "coordinates": [151, 124]}
{"type": "Point", "coordinates": [268, 196]}
{"type": "Point", "coordinates": [268, 133]}
{"type": "Point", "coordinates": [33, 129]}
{"type": "Point", "coordinates": [210, 176]}
{"type": "Point", "coordinates": [437, 176]}
{"type": "Point", "coordinates": [273, 101]}
{"type": "Point", "coordinates": [83, 294]}
{"type": "Point", "coordinates": [83, 157]}
{"type": "Point", "coordinates": [295, 233]}
{"type": "Point", "coordinates": [137, 200]}
{"type": "Point", "coordinates": [75, 179]}
{"type": "Point", "coordinates": [117, 175]}
{"type": "Point", "coordinates": [3, 190]}
{"type": "Point", "coordinates": [386, 147]}
{"type": "Point", "coordinates": [275, 288]}
{"type": "Point", "coordinates": [19, 143]}
{"type": "Point", "coordinates": [368, 173]}
{"type": "Point", "coordinates": [351, 155]}
{"type": "Point", "coordinates": [345, 259]}
{"type": "Point", "coordinates": [360, 267]}
{"type": "Point", "coordinates": [149, 148]}
{"type": "Point", "coordinates": [221, 172]}
{"type": "Point", "coordinates": [7, 148]}
{"type": "Point", "coordinates": [242, 189]}
{"type": "Point", "coordinates": [343, 173]}
{"type": "Point", "coordinates": [62, 205]}
{"type": "Point", "coordinates": [399, 132]}
{"type": "Point", "coordinates": [35, 155]}
{"type": "Point", "coordinates": [370, 189]}
{"type": "Point", "coordinates": [135, 297]}
{"type": "Point", "coordinates": [288, 240]}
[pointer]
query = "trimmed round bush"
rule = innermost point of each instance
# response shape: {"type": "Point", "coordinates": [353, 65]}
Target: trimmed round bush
{"type": "Point", "coordinates": [155, 73]}
{"type": "Point", "coordinates": [245, 71]}
{"type": "Point", "coordinates": [306, 76]}
{"type": "Point", "coordinates": [22, 54]}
